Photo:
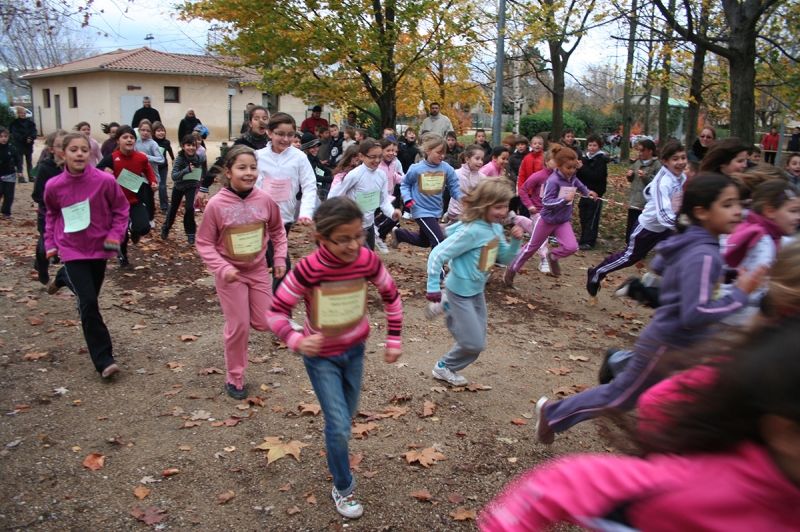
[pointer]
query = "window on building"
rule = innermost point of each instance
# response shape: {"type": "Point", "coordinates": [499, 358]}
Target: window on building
{"type": "Point", "coordinates": [73, 96]}
{"type": "Point", "coordinates": [172, 94]}
{"type": "Point", "coordinates": [46, 98]}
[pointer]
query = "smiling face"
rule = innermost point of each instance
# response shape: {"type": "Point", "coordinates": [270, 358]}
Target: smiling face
{"type": "Point", "coordinates": [189, 149]}
{"type": "Point", "coordinates": [76, 155]}
{"type": "Point", "coordinates": [496, 213]}
{"type": "Point", "coordinates": [435, 156]}
{"type": "Point", "coordinates": [569, 138]}
{"type": "Point", "coordinates": [160, 133]}
{"type": "Point", "coordinates": [282, 137]}
{"type": "Point", "coordinates": [243, 173]}
{"type": "Point", "coordinates": [345, 241]}
{"type": "Point", "coordinates": [738, 164]}
{"type": "Point", "coordinates": [389, 153]}
{"type": "Point", "coordinates": [568, 168]}
{"type": "Point", "coordinates": [373, 158]}
{"type": "Point", "coordinates": [706, 138]}
{"type": "Point", "coordinates": [501, 160]}
{"type": "Point", "coordinates": [793, 165]}
{"type": "Point", "coordinates": [676, 163]}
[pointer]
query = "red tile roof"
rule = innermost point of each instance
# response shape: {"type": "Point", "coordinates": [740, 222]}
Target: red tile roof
{"type": "Point", "coordinates": [148, 60]}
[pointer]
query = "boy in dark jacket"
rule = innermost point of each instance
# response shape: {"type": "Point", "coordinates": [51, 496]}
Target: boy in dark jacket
{"type": "Point", "coordinates": [10, 169]}
{"type": "Point", "coordinates": [593, 174]}
{"type": "Point", "coordinates": [310, 146]}
{"type": "Point", "coordinates": [188, 169]}
{"type": "Point", "coordinates": [23, 134]}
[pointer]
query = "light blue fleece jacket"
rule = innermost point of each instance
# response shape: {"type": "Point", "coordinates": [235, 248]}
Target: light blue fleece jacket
{"type": "Point", "coordinates": [428, 206]}
{"type": "Point", "coordinates": [462, 248]}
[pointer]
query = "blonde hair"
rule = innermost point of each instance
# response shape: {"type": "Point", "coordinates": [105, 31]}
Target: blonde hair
{"type": "Point", "coordinates": [431, 141]}
{"type": "Point", "coordinates": [783, 297]}
{"type": "Point", "coordinates": [485, 194]}
{"type": "Point", "coordinates": [752, 177]}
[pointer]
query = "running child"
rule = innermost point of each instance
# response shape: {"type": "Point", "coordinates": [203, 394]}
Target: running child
{"type": "Point", "coordinates": [232, 241]}
{"type": "Point", "coordinates": [471, 249]}
{"type": "Point", "coordinates": [656, 223]}
{"type": "Point", "coordinates": [469, 175]}
{"type": "Point", "coordinates": [333, 338]}
{"type": "Point", "coordinates": [391, 166]}
{"type": "Point", "coordinates": [48, 169]}
{"type": "Point", "coordinates": [189, 169]}
{"type": "Point", "coordinates": [165, 146]}
{"type": "Point", "coordinates": [727, 156]}
{"type": "Point", "coordinates": [110, 143]}
{"type": "Point", "coordinates": [367, 186]}
{"type": "Point", "coordinates": [557, 204]}
{"type": "Point", "coordinates": [146, 145]}
{"type": "Point", "coordinates": [122, 163]}
{"type": "Point", "coordinates": [422, 190]}
{"type": "Point", "coordinates": [691, 265]}
{"type": "Point", "coordinates": [87, 217]}
{"type": "Point", "coordinates": [349, 161]}
{"type": "Point", "coordinates": [497, 165]}
{"type": "Point", "coordinates": [728, 462]}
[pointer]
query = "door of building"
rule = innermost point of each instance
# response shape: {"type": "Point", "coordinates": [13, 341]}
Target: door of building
{"type": "Point", "coordinates": [58, 111]}
{"type": "Point", "coordinates": [128, 104]}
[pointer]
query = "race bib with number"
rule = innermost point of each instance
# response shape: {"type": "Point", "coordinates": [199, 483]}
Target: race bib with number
{"type": "Point", "coordinates": [431, 183]}
{"type": "Point", "coordinates": [278, 189]}
{"type": "Point", "coordinates": [244, 242]}
{"type": "Point", "coordinates": [489, 255]}
{"type": "Point", "coordinates": [563, 192]}
{"type": "Point", "coordinates": [162, 150]}
{"type": "Point", "coordinates": [77, 217]}
{"type": "Point", "coordinates": [319, 171]}
{"type": "Point", "coordinates": [369, 201]}
{"type": "Point", "coordinates": [339, 305]}
{"type": "Point", "coordinates": [129, 180]}
{"type": "Point", "coordinates": [194, 175]}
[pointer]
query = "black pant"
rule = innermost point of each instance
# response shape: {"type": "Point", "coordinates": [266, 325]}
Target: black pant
{"type": "Point", "coordinates": [163, 200]}
{"type": "Point", "coordinates": [769, 157]}
{"type": "Point", "coordinates": [445, 200]}
{"type": "Point", "coordinates": [633, 217]}
{"type": "Point", "coordinates": [84, 278]}
{"type": "Point", "coordinates": [7, 190]}
{"type": "Point", "coordinates": [384, 224]}
{"type": "Point", "coordinates": [150, 202]}
{"type": "Point", "coordinates": [27, 156]}
{"type": "Point", "coordinates": [369, 241]}
{"type": "Point", "coordinates": [189, 224]}
{"type": "Point", "coordinates": [276, 282]}
{"type": "Point", "coordinates": [138, 226]}
{"type": "Point", "coordinates": [41, 263]}
{"type": "Point", "coordinates": [589, 211]}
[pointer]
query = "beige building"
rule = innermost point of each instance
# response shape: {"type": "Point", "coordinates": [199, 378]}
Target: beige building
{"type": "Point", "coordinates": [110, 87]}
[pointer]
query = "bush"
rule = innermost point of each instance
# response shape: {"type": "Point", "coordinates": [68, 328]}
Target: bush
{"type": "Point", "coordinates": [597, 121]}
{"type": "Point", "coordinates": [6, 116]}
{"type": "Point", "coordinates": [531, 125]}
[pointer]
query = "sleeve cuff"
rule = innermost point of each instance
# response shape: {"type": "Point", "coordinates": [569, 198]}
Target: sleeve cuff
{"type": "Point", "coordinates": [394, 342]}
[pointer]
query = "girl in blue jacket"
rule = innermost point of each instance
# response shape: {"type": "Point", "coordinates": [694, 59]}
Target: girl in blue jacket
{"type": "Point", "coordinates": [472, 247]}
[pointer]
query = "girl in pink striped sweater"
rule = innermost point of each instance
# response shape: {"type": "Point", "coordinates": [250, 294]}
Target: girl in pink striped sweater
{"type": "Point", "coordinates": [333, 283]}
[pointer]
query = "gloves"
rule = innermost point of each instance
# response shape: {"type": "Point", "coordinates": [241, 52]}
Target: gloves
{"type": "Point", "coordinates": [111, 245]}
{"type": "Point", "coordinates": [410, 203]}
{"type": "Point", "coordinates": [433, 297]}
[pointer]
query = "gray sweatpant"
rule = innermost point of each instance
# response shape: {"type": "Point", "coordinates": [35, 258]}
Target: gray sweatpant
{"type": "Point", "coordinates": [466, 321]}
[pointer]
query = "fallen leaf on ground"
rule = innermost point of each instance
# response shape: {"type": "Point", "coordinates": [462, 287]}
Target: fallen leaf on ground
{"type": "Point", "coordinates": [187, 337]}
{"type": "Point", "coordinates": [311, 499]}
{"type": "Point", "coordinates": [33, 320]}
{"type": "Point", "coordinates": [277, 449]}
{"type": "Point", "coordinates": [439, 389]}
{"type": "Point", "coordinates": [422, 495]}
{"type": "Point", "coordinates": [309, 409]}
{"type": "Point", "coordinates": [558, 346]}
{"type": "Point", "coordinates": [222, 498]}
{"type": "Point", "coordinates": [563, 370]}
{"type": "Point", "coordinates": [229, 449]}
{"type": "Point", "coordinates": [278, 408]}
{"type": "Point", "coordinates": [185, 448]}
{"type": "Point", "coordinates": [190, 424]}
{"type": "Point", "coordinates": [425, 458]}
{"type": "Point", "coordinates": [94, 461]}
{"type": "Point", "coordinates": [293, 510]}
{"type": "Point", "coordinates": [141, 492]}
{"type": "Point", "coordinates": [455, 498]}
{"type": "Point", "coordinates": [356, 459]}
{"type": "Point", "coordinates": [428, 409]}
{"type": "Point", "coordinates": [398, 398]}
{"type": "Point", "coordinates": [611, 333]}
{"type": "Point", "coordinates": [35, 356]}
{"type": "Point", "coordinates": [254, 401]}
{"type": "Point", "coordinates": [519, 421]}
{"type": "Point", "coordinates": [473, 388]}
{"type": "Point", "coordinates": [370, 474]}
{"type": "Point", "coordinates": [170, 472]}
{"type": "Point", "coordinates": [175, 365]}
{"type": "Point", "coordinates": [462, 514]}
{"type": "Point", "coordinates": [200, 414]}
{"type": "Point", "coordinates": [149, 516]}
{"type": "Point", "coordinates": [209, 371]}
{"type": "Point", "coordinates": [394, 412]}
{"type": "Point", "coordinates": [513, 300]}
{"type": "Point", "coordinates": [285, 487]}
{"type": "Point", "coordinates": [171, 393]}
{"type": "Point", "coordinates": [361, 430]}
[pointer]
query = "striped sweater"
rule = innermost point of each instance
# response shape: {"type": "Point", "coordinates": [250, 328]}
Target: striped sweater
{"type": "Point", "coordinates": [320, 267]}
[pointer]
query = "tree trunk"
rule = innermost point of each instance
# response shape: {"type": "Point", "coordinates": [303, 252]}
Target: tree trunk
{"type": "Point", "coordinates": [627, 115]}
{"type": "Point", "coordinates": [517, 94]}
{"type": "Point", "coordinates": [696, 87]}
{"type": "Point", "coordinates": [387, 103]}
{"type": "Point", "coordinates": [743, 84]}
{"type": "Point", "coordinates": [558, 90]}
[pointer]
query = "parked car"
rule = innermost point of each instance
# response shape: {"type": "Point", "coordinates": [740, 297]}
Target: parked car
{"type": "Point", "coordinates": [12, 108]}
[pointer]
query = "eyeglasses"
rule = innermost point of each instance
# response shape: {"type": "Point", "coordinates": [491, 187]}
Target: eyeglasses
{"type": "Point", "coordinates": [706, 136]}
{"type": "Point", "coordinates": [280, 134]}
{"type": "Point", "coordinates": [344, 241]}
{"type": "Point", "coordinates": [373, 157]}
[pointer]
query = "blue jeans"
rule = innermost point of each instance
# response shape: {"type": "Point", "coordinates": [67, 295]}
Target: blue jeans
{"type": "Point", "coordinates": [337, 383]}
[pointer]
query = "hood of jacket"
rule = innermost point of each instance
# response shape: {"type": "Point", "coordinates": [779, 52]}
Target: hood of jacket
{"type": "Point", "coordinates": [679, 246]}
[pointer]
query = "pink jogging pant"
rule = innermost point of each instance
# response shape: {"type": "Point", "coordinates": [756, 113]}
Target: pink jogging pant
{"type": "Point", "coordinates": [527, 226]}
{"type": "Point", "coordinates": [541, 230]}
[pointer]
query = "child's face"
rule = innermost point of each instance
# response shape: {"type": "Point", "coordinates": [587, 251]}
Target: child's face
{"type": "Point", "coordinates": [334, 131]}
{"type": "Point", "coordinates": [359, 137]}
{"type": "Point", "coordinates": [676, 163]}
{"type": "Point", "coordinates": [244, 172]}
{"type": "Point", "coordinates": [645, 154]}
{"type": "Point", "coordinates": [112, 132]}
{"type": "Point", "coordinates": [497, 212]}
{"type": "Point", "coordinates": [345, 241]}
{"type": "Point", "coordinates": [3, 138]}
{"type": "Point", "coordinates": [347, 136]}
{"type": "Point", "coordinates": [297, 142]}
{"type": "Point", "coordinates": [86, 130]}
{"type": "Point", "coordinates": [569, 168]}
{"type": "Point", "coordinates": [127, 142]}
{"type": "Point", "coordinates": [388, 133]}
{"type": "Point", "coordinates": [76, 155]}
{"type": "Point", "coordinates": [724, 214]}
{"type": "Point", "coordinates": [325, 135]}
{"type": "Point", "coordinates": [372, 159]}
{"type": "Point", "coordinates": [537, 145]}
{"type": "Point", "coordinates": [282, 137]}
{"type": "Point", "coordinates": [475, 162]}
{"type": "Point", "coordinates": [787, 216]}
{"type": "Point", "coordinates": [411, 136]}
{"type": "Point", "coordinates": [569, 138]}
{"type": "Point", "coordinates": [313, 151]}
{"type": "Point", "coordinates": [389, 153]}
{"type": "Point", "coordinates": [451, 142]}
{"type": "Point", "coordinates": [755, 157]}
{"type": "Point", "coordinates": [550, 164]}
{"type": "Point", "coordinates": [435, 156]}
{"type": "Point", "coordinates": [58, 149]}
{"type": "Point", "coordinates": [480, 137]}
{"type": "Point", "coordinates": [161, 133]}
{"type": "Point", "coordinates": [793, 165]}
{"type": "Point", "coordinates": [189, 149]}
{"type": "Point", "coordinates": [145, 132]}
{"type": "Point", "coordinates": [258, 124]}
{"type": "Point", "coordinates": [501, 160]}
{"type": "Point", "coordinates": [738, 164]}
{"type": "Point", "coordinates": [593, 147]}
{"type": "Point", "coordinates": [522, 147]}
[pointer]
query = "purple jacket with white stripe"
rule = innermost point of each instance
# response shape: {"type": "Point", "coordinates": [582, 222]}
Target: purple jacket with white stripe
{"type": "Point", "coordinates": [557, 210]}
{"type": "Point", "coordinates": [691, 265]}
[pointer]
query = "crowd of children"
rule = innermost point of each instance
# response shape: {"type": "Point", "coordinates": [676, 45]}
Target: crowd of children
{"type": "Point", "coordinates": [352, 190]}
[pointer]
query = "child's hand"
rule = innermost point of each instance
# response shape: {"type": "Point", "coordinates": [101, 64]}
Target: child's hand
{"type": "Point", "coordinates": [750, 281]}
{"type": "Point", "coordinates": [593, 195]}
{"type": "Point", "coordinates": [191, 168]}
{"type": "Point", "coordinates": [231, 275]}
{"type": "Point", "coordinates": [517, 232]}
{"type": "Point", "coordinates": [433, 297]}
{"type": "Point", "coordinates": [304, 221]}
{"type": "Point", "coordinates": [278, 272]}
{"type": "Point", "coordinates": [397, 214]}
{"type": "Point", "coordinates": [201, 198]}
{"type": "Point", "coordinates": [641, 173]}
{"type": "Point", "coordinates": [391, 354]}
{"type": "Point", "coordinates": [311, 345]}
{"type": "Point", "coordinates": [154, 186]}
{"type": "Point", "coordinates": [630, 173]}
{"type": "Point", "coordinates": [111, 245]}
{"type": "Point", "coordinates": [109, 170]}
{"type": "Point", "coordinates": [570, 197]}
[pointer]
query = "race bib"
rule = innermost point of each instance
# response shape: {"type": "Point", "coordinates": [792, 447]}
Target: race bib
{"type": "Point", "coordinates": [194, 175]}
{"type": "Point", "coordinates": [563, 192]}
{"type": "Point", "coordinates": [244, 242]}
{"type": "Point", "coordinates": [676, 201]}
{"type": "Point", "coordinates": [77, 217]}
{"type": "Point", "coordinates": [431, 183]}
{"type": "Point", "coordinates": [319, 171]}
{"type": "Point", "coordinates": [489, 255]}
{"type": "Point", "coordinates": [339, 306]}
{"type": "Point", "coordinates": [278, 189]}
{"type": "Point", "coordinates": [369, 201]}
{"type": "Point", "coordinates": [129, 180]}
{"type": "Point", "coordinates": [162, 150]}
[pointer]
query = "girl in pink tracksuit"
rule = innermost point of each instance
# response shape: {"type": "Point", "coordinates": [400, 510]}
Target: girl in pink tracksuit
{"type": "Point", "coordinates": [729, 462]}
{"type": "Point", "coordinates": [232, 241]}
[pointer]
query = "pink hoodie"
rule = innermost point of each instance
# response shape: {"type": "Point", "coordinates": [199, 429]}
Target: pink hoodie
{"type": "Point", "coordinates": [394, 173]}
{"type": "Point", "coordinates": [467, 180]}
{"type": "Point", "coordinates": [108, 210]}
{"type": "Point", "coordinates": [226, 209]}
{"type": "Point", "coordinates": [741, 490]}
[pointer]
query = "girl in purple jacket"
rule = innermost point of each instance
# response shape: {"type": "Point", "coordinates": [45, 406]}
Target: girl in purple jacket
{"type": "Point", "coordinates": [87, 217]}
{"type": "Point", "coordinates": [557, 204]}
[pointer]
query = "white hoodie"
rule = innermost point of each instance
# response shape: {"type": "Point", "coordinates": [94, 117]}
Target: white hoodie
{"type": "Point", "coordinates": [292, 165]}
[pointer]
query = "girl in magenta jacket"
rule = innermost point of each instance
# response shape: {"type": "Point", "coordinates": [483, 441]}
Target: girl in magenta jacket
{"type": "Point", "coordinates": [232, 241]}
{"type": "Point", "coordinates": [730, 462]}
{"type": "Point", "coordinates": [87, 217]}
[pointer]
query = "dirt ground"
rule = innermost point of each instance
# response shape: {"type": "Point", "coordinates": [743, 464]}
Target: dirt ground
{"type": "Point", "coordinates": [168, 409]}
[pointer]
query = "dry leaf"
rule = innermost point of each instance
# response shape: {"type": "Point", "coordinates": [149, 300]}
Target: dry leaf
{"type": "Point", "coordinates": [579, 358]}
{"type": "Point", "coordinates": [361, 430]}
{"type": "Point", "coordinates": [425, 458]}
{"type": "Point", "coordinates": [200, 414]}
{"type": "Point", "coordinates": [170, 472]}
{"type": "Point", "coordinates": [190, 424]}
{"type": "Point", "coordinates": [293, 510]}
{"type": "Point", "coordinates": [35, 356]}
{"type": "Point", "coordinates": [559, 371]}
{"type": "Point", "coordinates": [94, 461]}
{"type": "Point", "coordinates": [175, 365]}
{"type": "Point", "coordinates": [428, 409]}
{"type": "Point", "coordinates": [187, 337]}
{"type": "Point", "coordinates": [34, 320]}
{"type": "Point", "coordinates": [519, 421]}
{"type": "Point", "coordinates": [394, 412]}
{"type": "Point", "coordinates": [254, 401]}
{"type": "Point", "coordinates": [370, 474]}
{"type": "Point", "coordinates": [285, 487]}
{"type": "Point", "coordinates": [558, 346]}
{"type": "Point", "coordinates": [185, 448]}
{"type": "Point", "coordinates": [356, 459]}
{"type": "Point", "coordinates": [141, 492]}
{"type": "Point", "coordinates": [222, 498]}
{"type": "Point", "coordinates": [150, 516]}
{"type": "Point", "coordinates": [462, 514]}
{"type": "Point", "coordinates": [422, 495]}
{"type": "Point", "coordinates": [209, 371]}
{"type": "Point", "coordinates": [455, 498]}
{"type": "Point", "coordinates": [309, 409]}
{"type": "Point", "coordinates": [278, 408]}
{"type": "Point", "coordinates": [311, 499]}
{"type": "Point", "coordinates": [229, 449]}
{"type": "Point", "coordinates": [611, 333]}
{"type": "Point", "coordinates": [513, 300]}
{"type": "Point", "coordinates": [171, 393]}
{"type": "Point", "coordinates": [531, 307]}
{"type": "Point", "coordinates": [232, 421]}
{"type": "Point", "coordinates": [276, 449]}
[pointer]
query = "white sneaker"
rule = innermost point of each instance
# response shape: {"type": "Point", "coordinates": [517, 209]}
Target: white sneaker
{"type": "Point", "coordinates": [152, 224]}
{"type": "Point", "coordinates": [651, 280]}
{"type": "Point", "coordinates": [406, 216]}
{"type": "Point", "coordinates": [434, 310]}
{"type": "Point", "coordinates": [544, 266]}
{"type": "Point", "coordinates": [381, 245]}
{"type": "Point", "coordinates": [445, 219]}
{"type": "Point", "coordinates": [394, 244]}
{"type": "Point", "coordinates": [296, 326]}
{"type": "Point", "coordinates": [347, 506]}
{"type": "Point", "coordinates": [443, 373]}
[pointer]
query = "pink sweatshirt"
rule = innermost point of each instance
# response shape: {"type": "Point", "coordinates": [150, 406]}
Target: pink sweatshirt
{"type": "Point", "coordinates": [491, 169]}
{"type": "Point", "coordinates": [226, 209]}
{"type": "Point", "coordinates": [531, 192]}
{"type": "Point", "coordinates": [741, 490]}
{"type": "Point", "coordinates": [322, 266]}
{"type": "Point", "coordinates": [394, 174]}
{"type": "Point", "coordinates": [108, 210]}
{"type": "Point", "coordinates": [467, 180]}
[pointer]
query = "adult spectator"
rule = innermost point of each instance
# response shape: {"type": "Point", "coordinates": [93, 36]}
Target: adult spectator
{"type": "Point", "coordinates": [770, 145]}
{"type": "Point", "coordinates": [701, 144]}
{"type": "Point", "coordinates": [310, 124]}
{"type": "Point", "coordinates": [436, 122]}
{"type": "Point", "coordinates": [350, 121]}
{"type": "Point", "coordinates": [23, 133]}
{"type": "Point", "coordinates": [188, 123]}
{"type": "Point", "coordinates": [145, 112]}
{"type": "Point", "coordinates": [246, 124]}
{"type": "Point", "coordinates": [794, 141]}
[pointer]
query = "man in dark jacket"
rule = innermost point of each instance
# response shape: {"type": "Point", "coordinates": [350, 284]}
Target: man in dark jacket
{"type": "Point", "coordinates": [23, 134]}
{"type": "Point", "coordinates": [145, 112]}
{"type": "Point", "coordinates": [594, 174]}
{"type": "Point", "coordinates": [187, 124]}
{"type": "Point", "coordinates": [794, 141]}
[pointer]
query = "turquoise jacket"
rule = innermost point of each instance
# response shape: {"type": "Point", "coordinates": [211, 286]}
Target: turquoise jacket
{"type": "Point", "coordinates": [462, 248]}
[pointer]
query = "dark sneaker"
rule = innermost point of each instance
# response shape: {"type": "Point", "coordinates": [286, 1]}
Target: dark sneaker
{"type": "Point", "coordinates": [235, 392]}
{"type": "Point", "coordinates": [586, 247]}
{"type": "Point", "coordinates": [164, 232]}
{"type": "Point", "coordinates": [605, 375]}
{"type": "Point", "coordinates": [52, 287]}
{"type": "Point", "coordinates": [125, 264]}
{"type": "Point", "coordinates": [190, 239]}
{"type": "Point", "coordinates": [591, 286]}
{"type": "Point", "coordinates": [624, 289]}
{"type": "Point", "coordinates": [544, 433]}
{"type": "Point", "coordinates": [22, 180]}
